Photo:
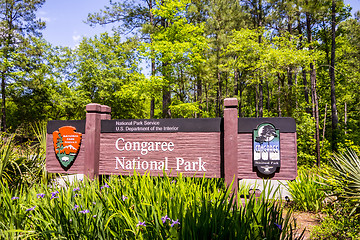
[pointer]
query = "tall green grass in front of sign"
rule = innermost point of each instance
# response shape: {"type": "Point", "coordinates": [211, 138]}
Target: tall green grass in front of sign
{"type": "Point", "coordinates": [140, 207]}
{"type": "Point", "coordinates": [307, 190]}
{"type": "Point", "coordinates": [23, 164]}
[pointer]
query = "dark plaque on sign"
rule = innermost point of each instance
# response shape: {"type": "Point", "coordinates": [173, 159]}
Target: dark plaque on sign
{"type": "Point", "coordinates": [266, 148]}
{"type": "Point", "coordinates": [161, 125]}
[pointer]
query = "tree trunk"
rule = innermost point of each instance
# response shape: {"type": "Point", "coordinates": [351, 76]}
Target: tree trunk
{"type": "Point", "coordinates": [315, 111]}
{"type": "Point", "coordinates": [306, 89]}
{"type": "Point", "coordinates": [240, 98]}
{"type": "Point", "coordinates": [261, 98]}
{"type": "Point", "coordinates": [199, 92]}
{"type": "Point", "coordinates": [3, 99]}
{"type": "Point", "coordinates": [268, 97]}
{"type": "Point", "coordinates": [295, 96]}
{"type": "Point", "coordinates": [256, 101]}
{"type": "Point", "coordinates": [345, 118]}
{"type": "Point", "coordinates": [166, 102]}
{"type": "Point", "coordinates": [314, 98]}
{"type": "Point", "coordinates": [152, 108]}
{"type": "Point", "coordinates": [207, 97]}
{"type": "Point", "coordinates": [279, 99]}
{"type": "Point", "coordinates": [236, 82]}
{"type": "Point", "coordinates": [334, 116]}
{"type": "Point", "coordinates": [219, 94]}
{"type": "Point", "coordinates": [152, 104]}
{"type": "Point", "coordinates": [289, 94]}
{"type": "Point", "coordinates": [323, 135]}
{"type": "Point", "coordinates": [289, 102]}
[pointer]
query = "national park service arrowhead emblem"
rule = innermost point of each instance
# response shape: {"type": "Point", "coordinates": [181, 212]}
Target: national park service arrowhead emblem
{"type": "Point", "coordinates": [67, 145]}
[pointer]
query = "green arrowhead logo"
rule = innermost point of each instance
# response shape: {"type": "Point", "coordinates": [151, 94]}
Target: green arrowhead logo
{"type": "Point", "coordinates": [67, 145]}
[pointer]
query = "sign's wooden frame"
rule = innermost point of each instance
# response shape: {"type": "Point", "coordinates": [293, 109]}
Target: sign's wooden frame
{"type": "Point", "coordinates": [222, 147]}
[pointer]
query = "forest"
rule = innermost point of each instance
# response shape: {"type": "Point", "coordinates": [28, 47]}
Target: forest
{"type": "Point", "coordinates": [180, 59]}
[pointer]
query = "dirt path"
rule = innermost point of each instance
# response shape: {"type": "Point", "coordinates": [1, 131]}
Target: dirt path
{"type": "Point", "coordinates": [306, 220]}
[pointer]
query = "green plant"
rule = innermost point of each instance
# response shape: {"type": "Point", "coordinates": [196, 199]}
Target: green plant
{"type": "Point", "coordinates": [23, 164]}
{"type": "Point", "coordinates": [141, 207]}
{"type": "Point", "coordinates": [305, 126]}
{"type": "Point", "coordinates": [344, 181]}
{"type": "Point", "coordinates": [6, 157]}
{"type": "Point", "coordinates": [338, 224]}
{"type": "Point", "coordinates": [38, 153]}
{"type": "Point", "coordinates": [306, 191]}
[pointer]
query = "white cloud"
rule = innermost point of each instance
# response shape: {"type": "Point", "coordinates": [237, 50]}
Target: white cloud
{"type": "Point", "coordinates": [43, 16]}
{"type": "Point", "coordinates": [45, 19]}
{"type": "Point", "coordinates": [76, 38]}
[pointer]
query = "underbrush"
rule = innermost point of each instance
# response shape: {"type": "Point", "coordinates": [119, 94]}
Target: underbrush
{"type": "Point", "coordinates": [343, 188]}
{"type": "Point", "coordinates": [141, 207]}
{"type": "Point", "coordinates": [307, 190]}
{"type": "Point", "coordinates": [335, 191]}
{"type": "Point", "coordinates": [338, 224]}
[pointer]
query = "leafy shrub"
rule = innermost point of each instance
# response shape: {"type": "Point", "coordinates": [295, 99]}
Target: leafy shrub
{"type": "Point", "coordinates": [23, 164]}
{"type": "Point", "coordinates": [305, 126]}
{"type": "Point", "coordinates": [344, 181]}
{"type": "Point", "coordinates": [343, 185]}
{"type": "Point", "coordinates": [306, 191]}
{"type": "Point", "coordinates": [141, 207]}
{"type": "Point", "coordinates": [338, 224]}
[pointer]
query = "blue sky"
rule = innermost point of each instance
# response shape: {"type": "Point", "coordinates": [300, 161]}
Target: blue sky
{"type": "Point", "coordinates": [65, 20]}
{"type": "Point", "coordinates": [355, 4]}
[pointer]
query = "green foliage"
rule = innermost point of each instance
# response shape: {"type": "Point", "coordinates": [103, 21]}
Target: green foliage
{"type": "Point", "coordinates": [347, 144]}
{"type": "Point", "coordinates": [19, 24]}
{"type": "Point", "coordinates": [107, 73]}
{"type": "Point", "coordinates": [342, 219]}
{"type": "Point", "coordinates": [306, 191]}
{"type": "Point", "coordinates": [177, 41]}
{"type": "Point", "coordinates": [337, 225]}
{"type": "Point", "coordinates": [23, 164]}
{"type": "Point", "coordinates": [140, 207]}
{"type": "Point", "coordinates": [344, 181]}
{"type": "Point", "coordinates": [46, 92]}
{"type": "Point", "coordinates": [38, 151]}
{"type": "Point", "coordinates": [184, 110]}
{"type": "Point", "coordinates": [305, 139]}
{"type": "Point", "coordinates": [6, 163]}
{"type": "Point", "coordinates": [268, 56]}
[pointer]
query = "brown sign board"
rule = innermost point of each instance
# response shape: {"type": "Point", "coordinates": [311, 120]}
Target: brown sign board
{"type": "Point", "coordinates": [189, 146]}
{"type": "Point", "coordinates": [287, 170]}
{"type": "Point", "coordinates": [229, 147]}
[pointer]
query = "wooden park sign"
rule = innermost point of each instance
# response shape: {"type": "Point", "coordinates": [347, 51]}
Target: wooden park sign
{"type": "Point", "coordinates": [229, 147]}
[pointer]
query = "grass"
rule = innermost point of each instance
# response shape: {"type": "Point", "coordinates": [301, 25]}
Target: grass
{"type": "Point", "coordinates": [306, 191]}
{"type": "Point", "coordinates": [137, 207]}
{"type": "Point", "coordinates": [140, 207]}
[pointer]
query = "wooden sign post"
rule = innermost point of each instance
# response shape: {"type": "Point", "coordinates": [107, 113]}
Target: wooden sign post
{"type": "Point", "coordinates": [230, 142]}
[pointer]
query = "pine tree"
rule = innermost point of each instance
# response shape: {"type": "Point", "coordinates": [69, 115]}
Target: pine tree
{"type": "Point", "coordinates": [17, 22]}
